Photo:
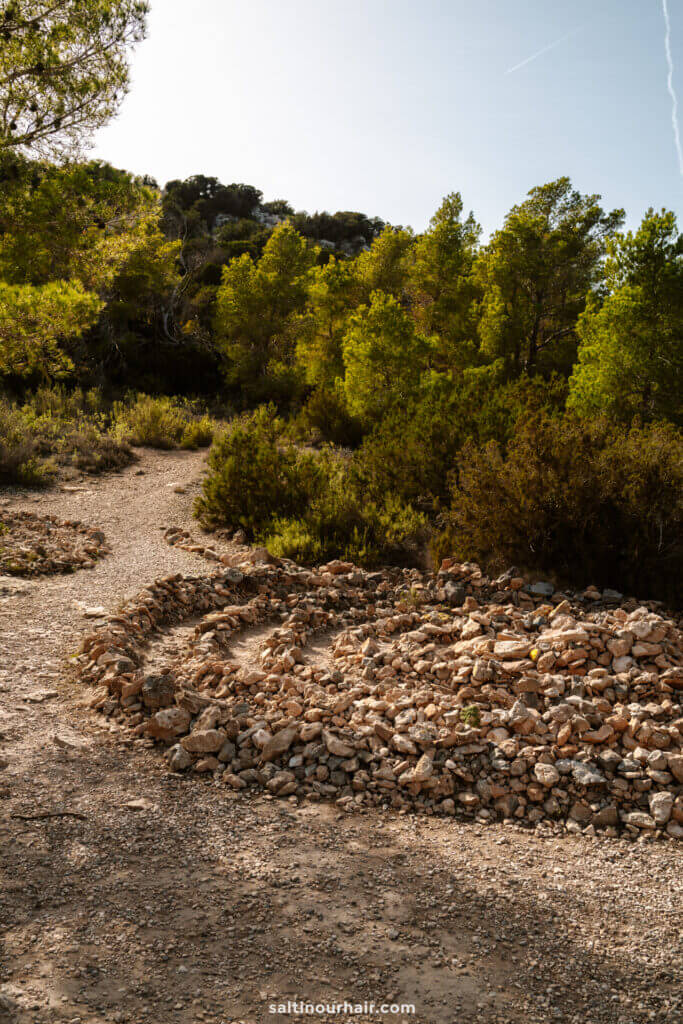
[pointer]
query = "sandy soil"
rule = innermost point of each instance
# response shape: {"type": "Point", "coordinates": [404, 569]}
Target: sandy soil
{"type": "Point", "coordinates": [168, 899]}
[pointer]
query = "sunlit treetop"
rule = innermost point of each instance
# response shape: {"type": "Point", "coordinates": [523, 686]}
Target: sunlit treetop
{"type": "Point", "coordinates": [63, 70]}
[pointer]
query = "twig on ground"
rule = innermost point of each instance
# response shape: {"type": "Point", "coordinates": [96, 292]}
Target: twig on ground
{"type": "Point", "coordinates": [49, 814]}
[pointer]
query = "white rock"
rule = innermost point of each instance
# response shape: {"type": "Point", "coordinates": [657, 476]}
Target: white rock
{"type": "Point", "coordinates": [661, 805]}
{"type": "Point", "coordinates": [546, 774]}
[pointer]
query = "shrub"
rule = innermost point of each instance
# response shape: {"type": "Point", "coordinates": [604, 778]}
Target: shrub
{"type": "Point", "coordinates": [198, 433]}
{"type": "Point", "coordinates": [300, 505]}
{"type": "Point", "coordinates": [60, 404]}
{"type": "Point", "coordinates": [152, 422]}
{"type": "Point", "coordinates": [54, 428]}
{"type": "Point", "coordinates": [326, 413]}
{"type": "Point", "coordinates": [17, 448]}
{"type": "Point", "coordinates": [253, 476]}
{"type": "Point", "coordinates": [81, 429]}
{"type": "Point", "coordinates": [413, 451]}
{"type": "Point", "coordinates": [341, 522]}
{"type": "Point", "coordinates": [292, 538]}
{"type": "Point", "coordinates": [583, 500]}
{"type": "Point", "coordinates": [94, 451]}
{"type": "Point", "coordinates": [162, 423]}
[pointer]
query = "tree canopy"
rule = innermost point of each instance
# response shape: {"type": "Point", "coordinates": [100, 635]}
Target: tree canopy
{"type": "Point", "coordinates": [63, 70]}
{"type": "Point", "coordinates": [536, 274]}
{"type": "Point", "coordinates": [630, 360]}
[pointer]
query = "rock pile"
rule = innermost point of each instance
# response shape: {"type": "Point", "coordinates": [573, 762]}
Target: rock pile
{"type": "Point", "coordinates": [33, 545]}
{"type": "Point", "coordinates": [448, 693]}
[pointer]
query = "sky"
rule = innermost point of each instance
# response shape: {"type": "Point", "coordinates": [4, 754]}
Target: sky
{"type": "Point", "coordinates": [385, 106]}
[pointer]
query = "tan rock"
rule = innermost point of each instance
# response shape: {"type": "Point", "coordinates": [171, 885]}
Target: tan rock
{"type": "Point", "coordinates": [336, 745]}
{"type": "Point", "coordinates": [204, 741]}
{"type": "Point", "coordinates": [601, 735]}
{"type": "Point", "coordinates": [169, 722]}
{"type": "Point", "coordinates": [279, 743]}
{"type": "Point", "coordinates": [661, 805]}
{"type": "Point", "coordinates": [675, 766]}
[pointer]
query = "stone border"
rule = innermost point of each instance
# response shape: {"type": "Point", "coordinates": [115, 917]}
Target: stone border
{"type": "Point", "coordinates": [454, 694]}
{"type": "Point", "coordinates": [90, 545]}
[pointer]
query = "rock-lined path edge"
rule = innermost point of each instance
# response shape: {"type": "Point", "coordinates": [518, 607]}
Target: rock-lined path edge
{"type": "Point", "coordinates": [131, 893]}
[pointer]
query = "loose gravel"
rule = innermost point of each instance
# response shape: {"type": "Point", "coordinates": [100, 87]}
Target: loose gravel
{"type": "Point", "coordinates": [169, 898]}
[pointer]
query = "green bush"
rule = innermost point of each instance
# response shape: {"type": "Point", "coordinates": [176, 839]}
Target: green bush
{"type": "Point", "coordinates": [151, 422]}
{"type": "Point", "coordinates": [326, 413]}
{"type": "Point", "coordinates": [57, 403]}
{"type": "Point", "coordinates": [56, 428]}
{"type": "Point", "coordinates": [413, 451]}
{"type": "Point", "coordinates": [17, 448]}
{"type": "Point", "coordinates": [93, 450]}
{"type": "Point", "coordinates": [73, 428]}
{"type": "Point", "coordinates": [162, 422]}
{"type": "Point", "coordinates": [293, 538]}
{"type": "Point", "coordinates": [340, 522]}
{"type": "Point", "coordinates": [198, 433]}
{"type": "Point", "coordinates": [254, 476]}
{"type": "Point", "coordinates": [298, 504]}
{"type": "Point", "coordinates": [583, 500]}
{"type": "Point", "coordinates": [83, 430]}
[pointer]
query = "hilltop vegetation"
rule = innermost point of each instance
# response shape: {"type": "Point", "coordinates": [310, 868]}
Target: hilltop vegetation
{"type": "Point", "coordinates": [513, 399]}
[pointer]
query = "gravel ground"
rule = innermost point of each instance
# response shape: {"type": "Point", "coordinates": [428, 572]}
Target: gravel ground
{"type": "Point", "coordinates": [167, 899]}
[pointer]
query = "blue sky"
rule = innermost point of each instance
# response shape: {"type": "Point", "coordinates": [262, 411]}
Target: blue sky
{"type": "Point", "coordinates": [385, 106]}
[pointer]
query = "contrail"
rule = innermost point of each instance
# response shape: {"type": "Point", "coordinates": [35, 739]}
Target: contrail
{"type": "Point", "coordinates": [550, 46]}
{"type": "Point", "coordinates": [670, 86]}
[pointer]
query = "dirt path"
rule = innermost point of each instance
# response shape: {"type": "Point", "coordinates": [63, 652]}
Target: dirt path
{"type": "Point", "coordinates": [169, 899]}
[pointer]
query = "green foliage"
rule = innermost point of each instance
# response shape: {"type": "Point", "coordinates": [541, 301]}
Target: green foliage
{"type": "Point", "coordinates": [333, 293]}
{"type": "Point", "coordinates": [194, 204]}
{"type": "Point", "coordinates": [33, 322]}
{"type": "Point", "coordinates": [74, 234]}
{"type": "Point", "coordinates": [60, 428]}
{"type": "Point", "coordinates": [536, 274]}
{"type": "Point", "coordinates": [326, 414]}
{"type": "Point", "coordinates": [57, 428]}
{"type": "Point", "coordinates": [63, 69]}
{"type": "Point", "coordinates": [152, 422]}
{"type": "Point", "coordinates": [91, 448]}
{"type": "Point", "coordinates": [137, 300]}
{"type": "Point", "coordinates": [584, 500]}
{"type": "Point", "coordinates": [294, 539]}
{"type": "Point", "coordinates": [630, 361]}
{"type": "Point", "coordinates": [198, 433]}
{"type": "Point", "coordinates": [386, 264]}
{"type": "Point", "coordinates": [444, 293]}
{"type": "Point", "coordinates": [65, 221]}
{"type": "Point", "coordinates": [412, 452]}
{"type": "Point", "coordinates": [254, 476]}
{"type": "Point", "coordinates": [384, 358]}
{"type": "Point", "coordinates": [280, 207]}
{"type": "Point", "coordinates": [342, 227]}
{"type": "Point", "coordinates": [162, 423]}
{"type": "Point", "coordinates": [338, 521]}
{"type": "Point", "coordinates": [444, 365]}
{"type": "Point", "coordinates": [255, 305]}
{"type": "Point", "coordinates": [470, 716]}
{"type": "Point", "coordinates": [298, 504]}
{"type": "Point", "coordinates": [339, 524]}
{"type": "Point", "coordinates": [18, 464]}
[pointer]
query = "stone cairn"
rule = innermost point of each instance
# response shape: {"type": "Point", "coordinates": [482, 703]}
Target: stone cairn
{"type": "Point", "coordinates": [35, 545]}
{"type": "Point", "coordinates": [445, 693]}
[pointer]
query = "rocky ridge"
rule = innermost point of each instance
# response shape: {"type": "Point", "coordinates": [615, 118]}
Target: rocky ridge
{"type": "Point", "coordinates": [451, 694]}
